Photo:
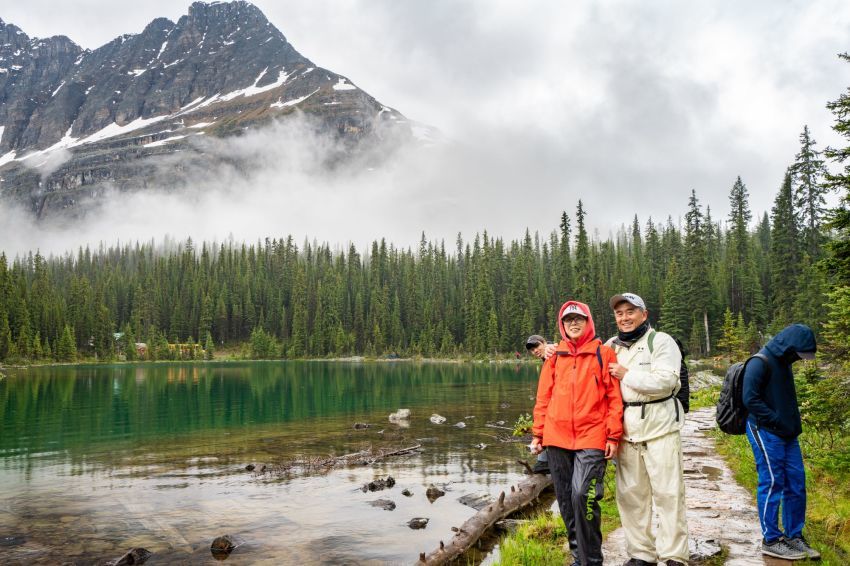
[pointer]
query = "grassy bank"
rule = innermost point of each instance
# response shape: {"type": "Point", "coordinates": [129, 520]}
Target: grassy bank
{"type": "Point", "coordinates": [543, 540]}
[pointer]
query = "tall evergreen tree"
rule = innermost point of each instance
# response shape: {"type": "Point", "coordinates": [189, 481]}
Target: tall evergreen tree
{"type": "Point", "coordinates": [784, 255]}
{"type": "Point", "coordinates": [809, 171]}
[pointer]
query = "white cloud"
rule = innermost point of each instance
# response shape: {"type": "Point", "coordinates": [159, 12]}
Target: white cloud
{"type": "Point", "coordinates": [627, 105]}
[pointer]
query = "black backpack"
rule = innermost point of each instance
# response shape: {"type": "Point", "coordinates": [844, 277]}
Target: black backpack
{"type": "Point", "coordinates": [731, 412]}
{"type": "Point", "coordinates": [684, 393]}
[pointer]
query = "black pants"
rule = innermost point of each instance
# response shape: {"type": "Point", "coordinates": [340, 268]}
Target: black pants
{"type": "Point", "coordinates": [579, 487]}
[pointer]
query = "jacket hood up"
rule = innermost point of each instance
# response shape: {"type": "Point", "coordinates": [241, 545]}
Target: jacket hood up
{"type": "Point", "coordinates": [589, 328]}
{"type": "Point", "coordinates": [794, 338]}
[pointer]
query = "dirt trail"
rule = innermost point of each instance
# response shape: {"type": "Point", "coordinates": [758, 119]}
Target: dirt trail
{"type": "Point", "coordinates": [719, 510]}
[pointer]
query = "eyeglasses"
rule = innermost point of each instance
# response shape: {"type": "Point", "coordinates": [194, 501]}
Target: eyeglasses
{"type": "Point", "coordinates": [571, 320]}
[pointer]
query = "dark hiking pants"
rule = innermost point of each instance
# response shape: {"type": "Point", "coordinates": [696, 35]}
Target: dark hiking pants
{"type": "Point", "coordinates": [579, 487]}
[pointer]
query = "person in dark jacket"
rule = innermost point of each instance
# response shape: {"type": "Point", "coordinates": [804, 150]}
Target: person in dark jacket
{"type": "Point", "coordinates": [773, 426]}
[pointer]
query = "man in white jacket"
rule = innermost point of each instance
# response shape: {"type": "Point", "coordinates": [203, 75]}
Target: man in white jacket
{"type": "Point", "coordinates": [649, 461]}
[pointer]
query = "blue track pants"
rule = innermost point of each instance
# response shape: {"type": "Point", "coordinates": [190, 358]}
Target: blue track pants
{"type": "Point", "coordinates": [782, 479]}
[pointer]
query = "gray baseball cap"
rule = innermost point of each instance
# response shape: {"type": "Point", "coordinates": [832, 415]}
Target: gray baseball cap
{"type": "Point", "coordinates": [629, 298]}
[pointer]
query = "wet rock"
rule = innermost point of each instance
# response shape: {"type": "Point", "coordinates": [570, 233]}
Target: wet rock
{"type": "Point", "coordinates": [12, 540]}
{"type": "Point", "coordinates": [378, 484]}
{"type": "Point", "coordinates": [703, 549]}
{"type": "Point", "coordinates": [461, 424]}
{"type": "Point", "coordinates": [133, 556]}
{"type": "Point", "coordinates": [385, 504]}
{"type": "Point", "coordinates": [417, 523]}
{"type": "Point", "coordinates": [222, 546]}
{"type": "Point", "coordinates": [504, 405]}
{"type": "Point", "coordinates": [407, 493]}
{"type": "Point", "coordinates": [477, 501]}
{"type": "Point", "coordinates": [437, 419]}
{"type": "Point", "coordinates": [481, 446]}
{"type": "Point", "coordinates": [400, 415]}
{"type": "Point", "coordinates": [250, 468]}
{"type": "Point", "coordinates": [361, 426]}
{"type": "Point", "coordinates": [433, 493]}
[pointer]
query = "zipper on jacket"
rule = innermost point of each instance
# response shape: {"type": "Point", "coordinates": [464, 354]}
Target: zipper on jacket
{"type": "Point", "coordinates": [573, 408]}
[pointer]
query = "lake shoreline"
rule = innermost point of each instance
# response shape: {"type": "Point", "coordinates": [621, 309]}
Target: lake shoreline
{"type": "Point", "coordinates": [344, 359]}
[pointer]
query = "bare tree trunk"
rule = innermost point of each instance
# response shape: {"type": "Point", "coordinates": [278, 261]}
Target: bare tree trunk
{"type": "Point", "coordinates": [525, 493]}
{"type": "Point", "coordinates": [707, 337]}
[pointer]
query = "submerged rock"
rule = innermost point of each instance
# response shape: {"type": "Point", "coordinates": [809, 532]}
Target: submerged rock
{"type": "Point", "coordinates": [378, 484]}
{"type": "Point", "coordinates": [400, 415]}
{"type": "Point", "coordinates": [477, 501]}
{"type": "Point", "coordinates": [222, 545]}
{"type": "Point", "coordinates": [12, 540]}
{"type": "Point", "coordinates": [437, 419]}
{"type": "Point", "coordinates": [417, 523]}
{"type": "Point", "coordinates": [433, 493]}
{"type": "Point", "coordinates": [407, 493]}
{"type": "Point", "coordinates": [460, 424]}
{"type": "Point", "coordinates": [133, 556]}
{"type": "Point", "coordinates": [361, 426]}
{"type": "Point", "coordinates": [250, 468]}
{"type": "Point", "coordinates": [385, 504]}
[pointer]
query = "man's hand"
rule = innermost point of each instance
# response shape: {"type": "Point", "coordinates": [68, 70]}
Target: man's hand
{"type": "Point", "coordinates": [618, 371]}
{"type": "Point", "coordinates": [536, 445]}
{"type": "Point", "coordinates": [610, 449]}
{"type": "Point", "coordinates": [549, 351]}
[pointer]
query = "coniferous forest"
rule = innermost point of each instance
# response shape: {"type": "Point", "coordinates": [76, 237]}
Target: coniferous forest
{"type": "Point", "coordinates": [719, 284]}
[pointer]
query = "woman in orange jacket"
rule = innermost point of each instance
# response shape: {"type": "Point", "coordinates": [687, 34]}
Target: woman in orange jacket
{"type": "Point", "coordinates": [578, 417]}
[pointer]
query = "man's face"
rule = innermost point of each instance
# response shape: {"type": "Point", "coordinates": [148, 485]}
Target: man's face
{"type": "Point", "coordinates": [574, 326]}
{"type": "Point", "coordinates": [628, 316]}
{"type": "Point", "coordinates": [539, 351]}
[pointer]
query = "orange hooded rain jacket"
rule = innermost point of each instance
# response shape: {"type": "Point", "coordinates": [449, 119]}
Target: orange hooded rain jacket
{"type": "Point", "coordinates": [578, 402]}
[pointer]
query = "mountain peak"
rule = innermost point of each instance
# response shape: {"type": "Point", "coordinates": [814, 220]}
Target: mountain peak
{"type": "Point", "coordinates": [220, 69]}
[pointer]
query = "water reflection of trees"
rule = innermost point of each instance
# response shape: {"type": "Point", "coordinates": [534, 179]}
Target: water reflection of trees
{"type": "Point", "coordinates": [75, 409]}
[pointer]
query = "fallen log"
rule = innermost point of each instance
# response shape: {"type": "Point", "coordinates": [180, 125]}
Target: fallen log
{"type": "Point", "coordinates": [525, 493]}
{"type": "Point", "coordinates": [362, 458]}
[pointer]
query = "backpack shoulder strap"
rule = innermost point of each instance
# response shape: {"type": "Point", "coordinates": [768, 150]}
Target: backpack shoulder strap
{"type": "Point", "coordinates": [763, 358]}
{"type": "Point", "coordinates": [599, 358]}
{"type": "Point", "coordinates": [651, 340]}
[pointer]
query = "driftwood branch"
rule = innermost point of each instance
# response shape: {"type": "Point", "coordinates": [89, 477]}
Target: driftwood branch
{"type": "Point", "coordinates": [524, 494]}
{"type": "Point", "coordinates": [363, 458]}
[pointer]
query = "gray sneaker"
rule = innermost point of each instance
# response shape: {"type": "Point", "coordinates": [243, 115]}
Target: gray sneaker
{"type": "Point", "coordinates": [781, 549]}
{"type": "Point", "coordinates": [800, 544]}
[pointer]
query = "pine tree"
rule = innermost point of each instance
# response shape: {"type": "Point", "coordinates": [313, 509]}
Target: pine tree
{"type": "Point", "coordinates": [66, 349]}
{"type": "Point", "coordinates": [583, 277]}
{"type": "Point", "coordinates": [698, 283]}
{"type": "Point", "coordinates": [784, 255]}
{"type": "Point", "coordinates": [675, 314]}
{"type": "Point", "coordinates": [739, 218]}
{"type": "Point", "coordinates": [209, 347]}
{"type": "Point", "coordinates": [6, 343]}
{"type": "Point", "coordinates": [809, 172]}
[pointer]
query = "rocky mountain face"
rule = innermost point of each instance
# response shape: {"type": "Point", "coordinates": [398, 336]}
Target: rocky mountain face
{"type": "Point", "coordinates": [74, 121]}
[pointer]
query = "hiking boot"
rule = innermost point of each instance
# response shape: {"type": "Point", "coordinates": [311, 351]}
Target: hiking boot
{"type": "Point", "coordinates": [781, 549]}
{"type": "Point", "coordinates": [540, 467]}
{"type": "Point", "coordinates": [638, 562]}
{"type": "Point", "coordinates": [800, 544]}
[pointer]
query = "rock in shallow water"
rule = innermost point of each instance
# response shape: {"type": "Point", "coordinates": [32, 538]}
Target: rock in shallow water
{"type": "Point", "coordinates": [132, 556]}
{"type": "Point", "coordinates": [385, 504]}
{"type": "Point", "coordinates": [433, 493]}
{"type": "Point", "coordinates": [417, 523]}
{"type": "Point", "coordinates": [378, 484]}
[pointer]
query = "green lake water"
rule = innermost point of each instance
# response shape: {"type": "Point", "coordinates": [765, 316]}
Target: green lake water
{"type": "Point", "coordinates": [95, 460]}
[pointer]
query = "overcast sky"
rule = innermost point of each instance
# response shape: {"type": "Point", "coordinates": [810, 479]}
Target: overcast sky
{"type": "Point", "coordinates": [627, 105]}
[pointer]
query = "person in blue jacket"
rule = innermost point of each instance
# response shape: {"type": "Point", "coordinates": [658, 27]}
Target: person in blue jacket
{"type": "Point", "coordinates": [773, 426]}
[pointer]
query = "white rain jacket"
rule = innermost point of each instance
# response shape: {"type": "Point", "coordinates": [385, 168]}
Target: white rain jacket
{"type": "Point", "coordinates": [651, 376]}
